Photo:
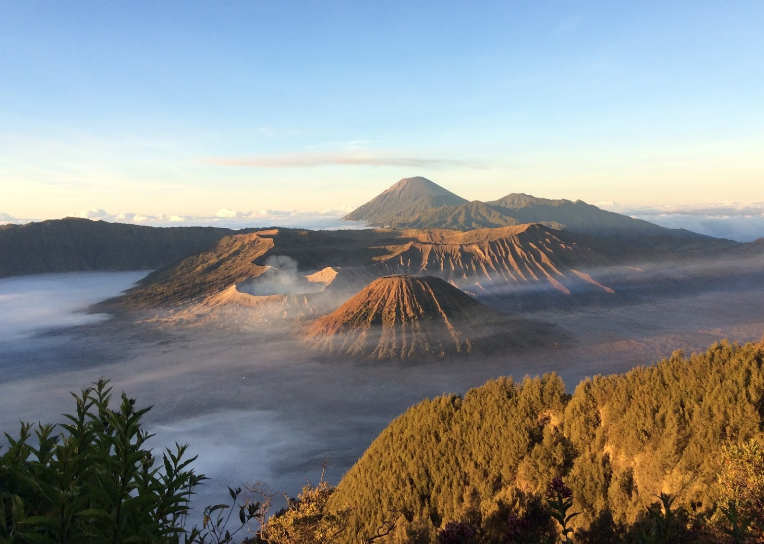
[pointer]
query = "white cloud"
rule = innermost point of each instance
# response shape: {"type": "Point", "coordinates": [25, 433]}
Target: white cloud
{"type": "Point", "coordinates": [95, 213]}
{"type": "Point", "coordinates": [229, 218]}
{"type": "Point", "coordinates": [351, 157]}
{"type": "Point", "coordinates": [225, 213]}
{"type": "Point", "coordinates": [138, 218]}
{"type": "Point", "coordinates": [743, 222]}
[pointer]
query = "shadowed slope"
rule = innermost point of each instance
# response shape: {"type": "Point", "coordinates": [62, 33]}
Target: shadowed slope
{"type": "Point", "coordinates": [245, 257]}
{"type": "Point", "coordinates": [517, 256]}
{"type": "Point", "coordinates": [72, 244]}
{"type": "Point", "coordinates": [209, 272]}
{"type": "Point", "coordinates": [408, 197]}
{"type": "Point", "coordinates": [471, 215]}
{"type": "Point", "coordinates": [522, 254]}
{"type": "Point", "coordinates": [405, 317]}
{"type": "Point", "coordinates": [576, 216]}
{"type": "Point", "coordinates": [606, 231]}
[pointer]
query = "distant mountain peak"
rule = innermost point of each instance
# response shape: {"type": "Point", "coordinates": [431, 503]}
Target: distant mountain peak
{"type": "Point", "coordinates": [406, 197]}
{"type": "Point", "coordinates": [416, 181]}
{"type": "Point", "coordinates": [522, 200]}
{"type": "Point", "coordinates": [418, 202]}
{"type": "Point", "coordinates": [421, 186]}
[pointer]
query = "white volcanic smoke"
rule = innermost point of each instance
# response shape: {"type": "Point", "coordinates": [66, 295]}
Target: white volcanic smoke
{"type": "Point", "coordinates": [281, 278]}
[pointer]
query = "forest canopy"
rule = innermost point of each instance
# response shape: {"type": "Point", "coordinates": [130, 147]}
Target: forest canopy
{"type": "Point", "coordinates": [618, 442]}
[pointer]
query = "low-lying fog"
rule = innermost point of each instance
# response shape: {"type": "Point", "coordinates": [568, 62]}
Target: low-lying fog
{"type": "Point", "coordinates": [257, 408]}
{"type": "Point", "coordinates": [33, 303]}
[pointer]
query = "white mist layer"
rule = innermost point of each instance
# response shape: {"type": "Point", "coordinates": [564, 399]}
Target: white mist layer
{"type": "Point", "coordinates": [260, 408]}
{"type": "Point", "coordinates": [45, 301]}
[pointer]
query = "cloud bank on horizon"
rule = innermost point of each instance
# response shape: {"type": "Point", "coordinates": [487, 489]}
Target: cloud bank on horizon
{"type": "Point", "coordinates": [740, 222]}
{"type": "Point", "coordinates": [224, 217]}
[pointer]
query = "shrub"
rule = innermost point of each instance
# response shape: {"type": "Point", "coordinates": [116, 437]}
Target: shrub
{"type": "Point", "coordinates": [96, 480]}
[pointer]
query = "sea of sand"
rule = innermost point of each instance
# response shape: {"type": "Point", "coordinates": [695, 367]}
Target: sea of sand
{"type": "Point", "coordinates": [258, 407]}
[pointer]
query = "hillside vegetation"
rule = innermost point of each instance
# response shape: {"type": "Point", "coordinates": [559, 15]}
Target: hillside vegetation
{"type": "Point", "coordinates": [618, 442]}
{"type": "Point", "coordinates": [661, 455]}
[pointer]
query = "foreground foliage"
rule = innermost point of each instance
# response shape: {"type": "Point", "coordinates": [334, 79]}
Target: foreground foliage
{"type": "Point", "coordinates": [689, 428]}
{"type": "Point", "coordinates": [96, 481]}
{"type": "Point", "coordinates": [666, 454]}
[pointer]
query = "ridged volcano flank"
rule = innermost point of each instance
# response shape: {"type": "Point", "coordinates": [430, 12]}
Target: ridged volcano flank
{"type": "Point", "coordinates": [410, 196]}
{"type": "Point", "coordinates": [406, 317]}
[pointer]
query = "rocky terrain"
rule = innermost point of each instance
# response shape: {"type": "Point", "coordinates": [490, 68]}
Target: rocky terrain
{"type": "Point", "coordinates": [518, 255]}
{"type": "Point", "coordinates": [301, 262]}
{"type": "Point", "coordinates": [412, 204]}
{"type": "Point", "coordinates": [405, 317]}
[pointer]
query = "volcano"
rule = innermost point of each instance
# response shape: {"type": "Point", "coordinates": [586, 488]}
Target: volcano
{"type": "Point", "coordinates": [408, 317]}
{"type": "Point", "coordinates": [409, 197]}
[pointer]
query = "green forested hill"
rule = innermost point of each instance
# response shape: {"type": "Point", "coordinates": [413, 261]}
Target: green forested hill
{"type": "Point", "coordinates": [618, 441]}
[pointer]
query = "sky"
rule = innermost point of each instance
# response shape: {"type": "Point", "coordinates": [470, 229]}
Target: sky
{"type": "Point", "coordinates": [185, 112]}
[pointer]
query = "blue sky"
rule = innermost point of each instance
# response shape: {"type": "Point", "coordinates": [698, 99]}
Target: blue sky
{"type": "Point", "coordinates": [200, 108]}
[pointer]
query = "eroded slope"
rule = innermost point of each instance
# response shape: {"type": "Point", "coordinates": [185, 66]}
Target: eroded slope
{"type": "Point", "coordinates": [279, 261]}
{"type": "Point", "coordinates": [406, 317]}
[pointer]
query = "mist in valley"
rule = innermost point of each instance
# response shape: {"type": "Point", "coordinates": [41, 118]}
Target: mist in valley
{"type": "Point", "coordinates": [260, 407]}
{"type": "Point", "coordinates": [34, 303]}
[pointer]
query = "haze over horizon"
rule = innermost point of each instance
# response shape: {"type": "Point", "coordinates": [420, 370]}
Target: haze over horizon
{"type": "Point", "coordinates": [154, 113]}
{"type": "Point", "coordinates": [742, 222]}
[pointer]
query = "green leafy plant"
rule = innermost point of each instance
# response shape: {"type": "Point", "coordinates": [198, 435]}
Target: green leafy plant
{"type": "Point", "coordinates": [94, 481]}
{"type": "Point", "coordinates": [216, 522]}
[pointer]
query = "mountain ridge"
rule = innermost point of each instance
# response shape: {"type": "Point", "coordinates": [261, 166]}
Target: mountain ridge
{"type": "Point", "coordinates": [515, 255]}
{"type": "Point", "coordinates": [511, 209]}
{"type": "Point", "coordinates": [75, 244]}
